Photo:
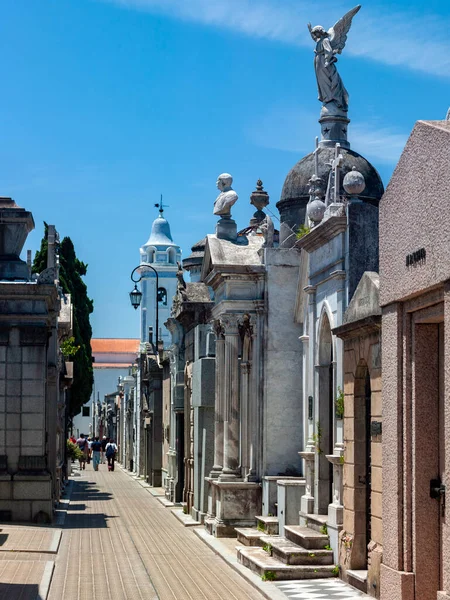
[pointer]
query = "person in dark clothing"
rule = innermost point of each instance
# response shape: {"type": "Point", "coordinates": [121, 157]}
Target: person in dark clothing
{"type": "Point", "coordinates": [96, 449]}
{"type": "Point", "coordinates": [111, 449]}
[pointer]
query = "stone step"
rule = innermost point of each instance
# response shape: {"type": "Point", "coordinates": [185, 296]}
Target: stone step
{"type": "Point", "coordinates": [290, 554]}
{"type": "Point", "coordinates": [358, 579]}
{"type": "Point", "coordinates": [248, 536]}
{"type": "Point", "coordinates": [260, 562]}
{"type": "Point", "coordinates": [315, 522]}
{"type": "Point", "coordinates": [306, 537]}
{"type": "Point", "coordinates": [267, 525]}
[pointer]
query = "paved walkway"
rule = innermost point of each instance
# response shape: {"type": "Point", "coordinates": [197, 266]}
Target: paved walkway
{"type": "Point", "coordinates": [120, 543]}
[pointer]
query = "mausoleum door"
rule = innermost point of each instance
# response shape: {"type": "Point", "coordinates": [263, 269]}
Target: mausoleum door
{"type": "Point", "coordinates": [442, 457]}
{"type": "Point", "coordinates": [362, 479]}
{"type": "Point", "coordinates": [368, 457]}
{"type": "Point", "coordinates": [324, 420]}
{"type": "Point", "coordinates": [428, 452]}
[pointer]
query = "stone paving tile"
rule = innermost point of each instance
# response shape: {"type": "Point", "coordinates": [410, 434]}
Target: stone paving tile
{"type": "Point", "coordinates": [119, 542]}
{"type": "Point", "coordinates": [24, 579]}
{"type": "Point", "coordinates": [29, 539]}
{"type": "Point", "coordinates": [313, 589]}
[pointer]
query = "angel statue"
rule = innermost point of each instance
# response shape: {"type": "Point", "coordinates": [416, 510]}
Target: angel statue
{"type": "Point", "coordinates": [330, 43]}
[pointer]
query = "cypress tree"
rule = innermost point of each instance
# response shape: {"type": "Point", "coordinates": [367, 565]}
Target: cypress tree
{"type": "Point", "coordinates": [70, 276]}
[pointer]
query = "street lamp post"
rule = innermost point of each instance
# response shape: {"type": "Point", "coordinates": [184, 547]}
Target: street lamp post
{"type": "Point", "coordinates": [136, 294]}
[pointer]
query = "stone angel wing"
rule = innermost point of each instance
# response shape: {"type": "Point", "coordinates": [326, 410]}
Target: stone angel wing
{"type": "Point", "coordinates": [338, 33]}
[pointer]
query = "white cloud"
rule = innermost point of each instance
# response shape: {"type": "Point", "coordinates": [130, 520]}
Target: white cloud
{"type": "Point", "coordinates": [400, 39]}
{"type": "Point", "coordinates": [381, 143]}
{"type": "Point", "coordinates": [294, 130]}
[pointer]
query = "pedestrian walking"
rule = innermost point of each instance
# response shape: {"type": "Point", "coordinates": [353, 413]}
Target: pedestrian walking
{"type": "Point", "coordinates": [111, 449]}
{"type": "Point", "coordinates": [90, 440]}
{"type": "Point", "coordinates": [83, 445]}
{"type": "Point", "coordinates": [96, 449]}
{"type": "Point", "coordinates": [105, 440]}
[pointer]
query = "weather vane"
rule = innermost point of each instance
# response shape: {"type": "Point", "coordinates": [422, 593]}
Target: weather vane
{"type": "Point", "coordinates": [161, 206]}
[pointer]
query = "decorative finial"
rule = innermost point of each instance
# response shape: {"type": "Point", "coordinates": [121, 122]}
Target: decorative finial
{"type": "Point", "coordinates": [316, 207]}
{"type": "Point", "coordinates": [354, 182]}
{"type": "Point", "coordinates": [260, 199]}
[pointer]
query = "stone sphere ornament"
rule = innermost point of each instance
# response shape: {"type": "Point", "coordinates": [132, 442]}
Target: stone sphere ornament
{"type": "Point", "coordinates": [354, 182]}
{"type": "Point", "coordinates": [316, 210]}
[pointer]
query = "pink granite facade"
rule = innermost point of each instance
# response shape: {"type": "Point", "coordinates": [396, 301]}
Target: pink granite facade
{"type": "Point", "coordinates": [415, 300]}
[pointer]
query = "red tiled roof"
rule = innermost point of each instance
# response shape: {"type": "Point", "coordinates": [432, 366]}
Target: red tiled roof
{"type": "Point", "coordinates": [111, 345]}
{"type": "Point", "coordinates": [111, 365]}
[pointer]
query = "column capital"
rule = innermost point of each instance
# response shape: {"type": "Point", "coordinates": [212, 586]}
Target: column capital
{"type": "Point", "coordinates": [246, 367]}
{"type": "Point", "coordinates": [218, 329]}
{"type": "Point", "coordinates": [230, 323]}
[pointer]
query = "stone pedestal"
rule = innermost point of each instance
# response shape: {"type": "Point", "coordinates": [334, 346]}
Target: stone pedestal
{"type": "Point", "coordinates": [334, 124]}
{"type": "Point", "coordinates": [307, 500]}
{"type": "Point", "coordinates": [236, 504]}
{"type": "Point", "coordinates": [289, 494]}
{"type": "Point", "coordinates": [226, 229]}
{"type": "Point", "coordinates": [336, 508]}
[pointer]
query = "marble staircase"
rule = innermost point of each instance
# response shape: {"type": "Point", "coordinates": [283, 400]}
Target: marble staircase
{"type": "Point", "coordinates": [301, 553]}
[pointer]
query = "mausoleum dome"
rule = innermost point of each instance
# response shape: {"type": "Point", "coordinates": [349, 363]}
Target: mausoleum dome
{"type": "Point", "coordinates": [193, 263]}
{"type": "Point", "coordinates": [296, 185]}
{"type": "Point", "coordinates": [160, 234]}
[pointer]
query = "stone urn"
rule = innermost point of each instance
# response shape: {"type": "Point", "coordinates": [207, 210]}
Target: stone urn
{"type": "Point", "coordinates": [15, 225]}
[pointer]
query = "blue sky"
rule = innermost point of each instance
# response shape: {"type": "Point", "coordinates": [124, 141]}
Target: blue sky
{"type": "Point", "coordinates": [108, 103]}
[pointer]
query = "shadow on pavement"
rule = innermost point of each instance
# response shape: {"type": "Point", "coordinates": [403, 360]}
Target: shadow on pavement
{"type": "Point", "coordinates": [77, 506]}
{"type": "Point", "coordinates": [87, 521]}
{"type": "Point", "coordinates": [77, 516]}
{"type": "Point", "coordinates": [86, 490]}
{"type": "Point", "coordinates": [19, 591]}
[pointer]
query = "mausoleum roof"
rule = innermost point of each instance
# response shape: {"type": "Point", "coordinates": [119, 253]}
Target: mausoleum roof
{"type": "Point", "coordinates": [226, 255]}
{"type": "Point", "coordinates": [297, 185]}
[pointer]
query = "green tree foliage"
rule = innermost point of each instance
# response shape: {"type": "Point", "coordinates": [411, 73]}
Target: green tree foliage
{"type": "Point", "coordinates": [70, 276]}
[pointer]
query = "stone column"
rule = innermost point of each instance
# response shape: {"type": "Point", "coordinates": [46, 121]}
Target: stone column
{"type": "Point", "coordinates": [219, 394]}
{"type": "Point", "coordinates": [247, 416]}
{"type": "Point", "coordinates": [309, 453]}
{"type": "Point", "coordinates": [245, 410]}
{"type": "Point", "coordinates": [257, 400]}
{"type": "Point", "coordinates": [231, 424]}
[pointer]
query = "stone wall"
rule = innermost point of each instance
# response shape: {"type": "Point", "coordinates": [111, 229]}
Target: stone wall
{"type": "Point", "coordinates": [29, 389]}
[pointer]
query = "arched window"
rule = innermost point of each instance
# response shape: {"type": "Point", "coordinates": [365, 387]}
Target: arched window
{"type": "Point", "coordinates": [162, 296]}
{"type": "Point", "coordinates": [172, 256]}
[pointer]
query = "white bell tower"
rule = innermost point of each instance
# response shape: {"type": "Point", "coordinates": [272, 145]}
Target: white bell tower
{"type": "Point", "coordinates": [163, 255]}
